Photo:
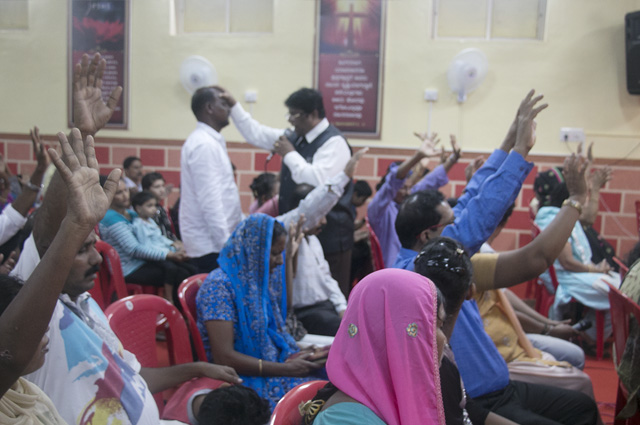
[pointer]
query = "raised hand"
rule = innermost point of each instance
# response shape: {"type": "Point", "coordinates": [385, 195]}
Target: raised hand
{"type": "Point", "coordinates": [90, 113]}
{"type": "Point", "coordinates": [428, 146]}
{"type": "Point", "coordinates": [526, 125]}
{"type": "Point", "coordinates": [87, 202]}
{"type": "Point", "coordinates": [295, 237]}
{"type": "Point", "coordinates": [283, 146]}
{"type": "Point", "coordinates": [226, 96]}
{"type": "Point", "coordinates": [39, 151]}
{"type": "Point", "coordinates": [600, 177]}
{"type": "Point", "coordinates": [350, 168]}
{"type": "Point", "coordinates": [574, 169]}
{"type": "Point", "coordinates": [473, 166]}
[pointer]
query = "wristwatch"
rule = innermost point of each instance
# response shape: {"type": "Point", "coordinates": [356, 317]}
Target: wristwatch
{"type": "Point", "coordinates": [573, 203]}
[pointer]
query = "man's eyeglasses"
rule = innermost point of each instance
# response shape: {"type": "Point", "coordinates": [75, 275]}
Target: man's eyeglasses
{"type": "Point", "coordinates": [290, 117]}
{"type": "Point", "coordinates": [437, 226]}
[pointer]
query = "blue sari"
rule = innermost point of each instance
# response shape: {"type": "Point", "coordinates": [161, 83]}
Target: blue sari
{"type": "Point", "coordinates": [244, 291]}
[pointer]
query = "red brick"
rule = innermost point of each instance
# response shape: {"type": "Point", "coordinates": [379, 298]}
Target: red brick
{"type": "Point", "coordinates": [597, 224]}
{"type": "Point", "coordinates": [366, 167]}
{"type": "Point", "coordinates": [524, 238]}
{"type": "Point", "coordinates": [624, 246]}
{"type": "Point", "coordinates": [383, 165]}
{"type": "Point", "coordinates": [13, 167]}
{"type": "Point", "coordinates": [457, 189]}
{"type": "Point", "coordinates": [261, 165]}
{"type": "Point", "coordinates": [152, 157]}
{"type": "Point", "coordinates": [532, 176]}
{"type": "Point", "coordinates": [526, 195]}
{"type": "Point", "coordinates": [245, 180]}
{"type": "Point", "coordinates": [519, 220]}
{"type": "Point", "coordinates": [625, 179]}
{"type": "Point", "coordinates": [629, 202]}
{"type": "Point", "coordinates": [119, 153]}
{"type": "Point", "coordinates": [610, 201]}
{"type": "Point", "coordinates": [171, 177]}
{"type": "Point", "coordinates": [3, 149]}
{"type": "Point", "coordinates": [102, 155]}
{"type": "Point", "coordinates": [173, 158]}
{"type": "Point", "coordinates": [245, 202]}
{"type": "Point", "coordinates": [612, 228]}
{"type": "Point", "coordinates": [457, 172]}
{"type": "Point", "coordinates": [19, 151]}
{"type": "Point", "coordinates": [242, 160]}
{"type": "Point", "coordinates": [104, 171]}
{"type": "Point", "coordinates": [506, 241]}
{"type": "Point", "coordinates": [26, 168]}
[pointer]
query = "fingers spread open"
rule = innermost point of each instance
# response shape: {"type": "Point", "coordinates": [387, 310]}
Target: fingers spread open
{"type": "Point", "coordinates": [78, 148]}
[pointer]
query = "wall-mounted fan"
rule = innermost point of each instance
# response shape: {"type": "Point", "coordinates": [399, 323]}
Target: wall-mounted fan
{"type": "Point", "coordinates": [196, 72]}
{"type": "Point", "coordinates": [467, 71]}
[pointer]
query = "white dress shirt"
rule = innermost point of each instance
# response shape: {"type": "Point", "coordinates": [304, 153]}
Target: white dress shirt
{"type": "Point", "coordinates": [209, 199]}
{"type": "Point", "coordinates": [328, 161]}
{"type": "Point", "coordinates": [313, 282]}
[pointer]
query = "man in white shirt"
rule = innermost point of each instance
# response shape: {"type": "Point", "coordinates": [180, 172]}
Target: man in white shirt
{"type": "Point", "coordinates": [313, 153]}
{"type": "Point", "coordinates": [209, 199]}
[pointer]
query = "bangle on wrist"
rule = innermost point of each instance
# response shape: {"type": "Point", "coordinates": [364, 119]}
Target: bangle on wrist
{"type": "Point", "coordinates": [574, 204]}
{"type": "Point", "coordinates": [259, 367]}
{"type": "Point", "coordinates": [34, 187]}
{"type": "Point", "coordinates": [547, 329]}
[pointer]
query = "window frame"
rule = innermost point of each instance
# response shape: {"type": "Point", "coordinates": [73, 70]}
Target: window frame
{"type": "Point", "coordinates": [177, 22]}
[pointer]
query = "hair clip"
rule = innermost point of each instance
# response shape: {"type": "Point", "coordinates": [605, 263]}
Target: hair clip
{"type": "Point", "coordinates": [459, 251]}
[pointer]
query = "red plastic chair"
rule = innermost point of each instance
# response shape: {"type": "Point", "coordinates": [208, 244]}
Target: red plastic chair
{"type": "Point", "coordinates": [287, 411]}
{"type": "Point", "coordinates": [187, 295]}
{"type": "Point", "coordinates": [376, 250]}
{"type": "Point", "coordinates": [622, 309]}
{"type": "Point", "coordinates": [136, 321]}
{"type": "Point", "coordinates": [110, 282]}
{"type": "Point", "coordinates": [545, 299]}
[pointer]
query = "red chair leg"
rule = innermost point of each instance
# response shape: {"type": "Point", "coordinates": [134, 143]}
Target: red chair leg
{"type": "Point", "coordinates": [599, 334]}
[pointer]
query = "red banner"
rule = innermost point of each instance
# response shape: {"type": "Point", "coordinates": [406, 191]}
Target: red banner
{"type": "Point", "coordinates": [349, 64]}
{"type": "Point", "coordinates": [102, 26]}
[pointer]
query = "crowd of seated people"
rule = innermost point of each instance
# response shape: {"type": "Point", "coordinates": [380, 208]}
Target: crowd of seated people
{"type": "Point", "coordinates": [436, 338]}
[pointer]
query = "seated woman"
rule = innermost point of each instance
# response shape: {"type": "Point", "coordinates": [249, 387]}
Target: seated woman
{"type": "Point", "coordinates": [384, 363]}
{"type": "Point", "coordinates": [265, 189]}
{"type": "Point", "coordinates": [141, 263]}
{"type": "Point", "coordinates": [578, 277]}
{"type": "Point", "coordinates": [242, 309]}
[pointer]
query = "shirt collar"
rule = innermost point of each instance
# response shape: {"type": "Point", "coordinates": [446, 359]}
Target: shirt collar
{"type": "Point", "coordinates": [210, 131]}
{"type": "Point", "coordinates": [317, 130]}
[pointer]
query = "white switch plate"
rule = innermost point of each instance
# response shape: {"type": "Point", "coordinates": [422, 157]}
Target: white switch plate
{"type": "Point", "coordinates": [431, 95]}
{"type": "Point", "coordinates": [251, 96]}
{"type": "Point", "coordinates": [569, 134]}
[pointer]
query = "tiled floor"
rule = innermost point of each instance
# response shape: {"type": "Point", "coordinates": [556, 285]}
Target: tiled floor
{"type": "Point", "coordinates": [605, 385]}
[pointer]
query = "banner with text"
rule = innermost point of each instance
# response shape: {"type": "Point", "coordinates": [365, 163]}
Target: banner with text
{"type": "Point", "coordinates": [349, 58]}
{"type": "Point", "coordinates": [102, 26]}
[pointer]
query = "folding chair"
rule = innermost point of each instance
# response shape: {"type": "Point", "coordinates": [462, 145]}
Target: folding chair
{"type": "Point", "coordinates": [187, 295]}
{"type": "Point", "coordinates": [622, 310]}
{"type": "Point", "coordinates": [287, 411]}
{"type": "Point", "coordinates": [137, 319]}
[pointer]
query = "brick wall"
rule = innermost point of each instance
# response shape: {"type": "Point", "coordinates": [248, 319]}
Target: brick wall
{"type": "Point", "coordinates": [616, 222]}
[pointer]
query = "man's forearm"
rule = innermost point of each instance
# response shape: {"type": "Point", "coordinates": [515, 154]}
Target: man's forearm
{"type": "Point", "coordinates": [50, 214]}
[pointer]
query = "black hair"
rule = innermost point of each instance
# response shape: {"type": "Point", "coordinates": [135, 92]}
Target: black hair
{"type": "Point", "coordinates": [299, 193]}
{"type": "Point", "coordinates": [558, 195]}
{"type": "Point", "coordinates": [384, 178]}
{"type": "Point", "coordinates": [446, 263]}
{"type": "Point", "coordinates": [453, 201]}
{"type": "Point", "coordinates": [278, 231]}
{"type": "Point", "coordinates": [130, 160]}
{"type": "Point", "coordinates": [234, 405]}
{"type": "Point", "coordinates": [200, 98]}
{"type": "Point", "coordinates": [149, 179]}
{"type": "Point", "coordinates": [545, 183]}
{"type": "Point", "coordinates": [507, 215]}
{"type": "Point", "coordinates": [307, 100]}
{"type": "Point", "coordinates": [362, 188]}
{"type": "Point", "coordinates": [263, 185]}
{"type": "Point", "coordinates": [416, 214]}
{"type": "Point", "coordinates": [141, 197]}
{"type": "Point", "coordinates": [9, 288]}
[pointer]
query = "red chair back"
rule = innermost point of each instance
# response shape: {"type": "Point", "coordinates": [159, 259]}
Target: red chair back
{"type": "Point", "coordinates": [187, 295]}
{"type": "Point", "coordinates": [287, 410]}
{"type": "Point", "coordinates": [376, 250]}
{"type": "Point", "coordinates": [136, 321]}
{"type": "Point", "coordinates": [110, 280]}
{"type": "Point", "coordinates": [622, 310]}
{"type": "Point", "coordinates": [638, 215]}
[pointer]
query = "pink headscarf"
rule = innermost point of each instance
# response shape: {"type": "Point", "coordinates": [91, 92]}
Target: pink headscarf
{"type": "Point", "coordinates": [385, 353]}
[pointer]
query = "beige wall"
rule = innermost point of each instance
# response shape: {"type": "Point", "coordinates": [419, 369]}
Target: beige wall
{"type": "Point", "coordinates": [579, 66]}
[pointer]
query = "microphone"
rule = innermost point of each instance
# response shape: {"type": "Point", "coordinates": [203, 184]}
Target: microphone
{"type": "Point", "coordinates": [289, 134]}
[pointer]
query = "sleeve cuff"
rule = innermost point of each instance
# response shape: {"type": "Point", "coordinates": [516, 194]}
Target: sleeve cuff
{"type": "Point", "coordinates": [14, 216]}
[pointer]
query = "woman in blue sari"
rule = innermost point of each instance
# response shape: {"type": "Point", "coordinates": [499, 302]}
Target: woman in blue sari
{"type": "Point", "coordinates": [242, 310]}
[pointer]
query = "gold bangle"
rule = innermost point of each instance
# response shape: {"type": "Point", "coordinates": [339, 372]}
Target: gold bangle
{"type": "Point", "coordinates": [259, 367]}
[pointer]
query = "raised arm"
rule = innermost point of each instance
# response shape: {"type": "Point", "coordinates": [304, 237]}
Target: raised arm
{"type": "Point", "coordinates": [25, 321]}
{"type": "Point", "coordinates": [90, 114]}
{"type": "Point", "coordinates": [25, 200]}
{"type": "Point", "coordinates": [597, 181]}
{"type": "Point", "coordinates": [525, 263]}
